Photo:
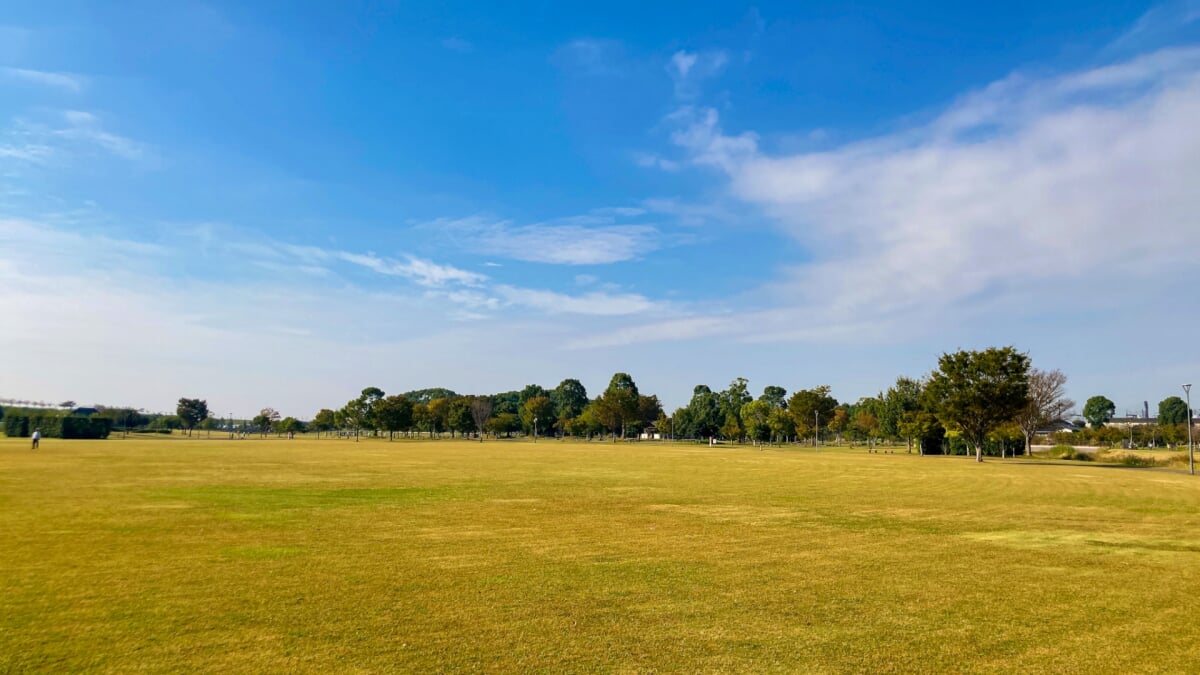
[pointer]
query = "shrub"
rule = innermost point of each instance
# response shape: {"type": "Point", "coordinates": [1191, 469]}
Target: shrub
{"type": "Point", "coordinates": [1063, 452]}
{"type": "Point", "coordinates": [56, 426]}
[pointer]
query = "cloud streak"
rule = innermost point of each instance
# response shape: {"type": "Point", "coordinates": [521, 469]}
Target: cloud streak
{"type": "Point", "coordinates": [586, 240]}
{"type": "Point", "coordinates": [65, 81]}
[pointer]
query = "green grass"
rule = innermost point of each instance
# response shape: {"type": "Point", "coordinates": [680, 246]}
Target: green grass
{"type": "Point", "coordinates": [271, 555]}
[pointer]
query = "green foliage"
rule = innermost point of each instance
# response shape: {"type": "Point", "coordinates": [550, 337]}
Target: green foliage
{"type": "Point", "coordinates": [57, 425]}
{"type": "Point", "coordinates": [191, 412]}
{"type": "Point", "coordinates": [977, 391]}
{"type": "Point", "coordinates": [618, 405]}
{"type": "Point", "coordinates": [458, 416]}
{"type": "Point", "coordinates": [538, 408]}
{"type": "Point", "coordinates": [810, 407]}
{"type": "Point", "coordinates": [774, 396]}
{"type": "Point", "coordinates": [570, 398]}
{"type": "Point", "coordinates": [427, 395]}
{"type": "Point", "coordinates": [1098, 411]}
{"type": "Point", "coordinates": [394, 413]}
{"type": "Point", "coordinates": [324, 420]}
{"type": "Point", "coordinates": [1172, 411]}
{"type": "Point", "coordinates": [756, 418]}
{"type": "Point", "coordinates": [702, 419]}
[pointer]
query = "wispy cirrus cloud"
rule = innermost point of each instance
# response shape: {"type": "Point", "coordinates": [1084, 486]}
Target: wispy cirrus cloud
{"type": "Point", "coordinates": [65, 81]}
{"type": "Point", "coordinates": [1159, 24]}
{"type": "Point", "coordinates": [65, 134]}
{"type": "Point", "coordinates": [423, 272]}
{"type": "Point", "coordinates": [592, 56]}
{"type": "Point", "coordinates": [585, 240]}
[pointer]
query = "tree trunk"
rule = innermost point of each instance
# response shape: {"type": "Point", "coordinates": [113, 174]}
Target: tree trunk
{"type": "Point", "coordinates": [978, 452]}
{"type": "Point", "coordinates": [1029, 445]}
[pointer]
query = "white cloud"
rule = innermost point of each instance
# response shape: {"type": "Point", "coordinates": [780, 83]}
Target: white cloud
{"type": "Point", "coordinates": [68, 81]}
{"type": "Point", "coordinates": [585, 240]}
{"type": "Point", "coordinates": [596, 304]}
{"type": "Point", "coordinates": [423, 272]}
{"type": "Point", "coordinates": [688, 70]}
{"type": "Point", "coordinates": [1028, 194]}
{"type": "Point", "coordinates": [63, 135]}
{"type": "Point", "coordinates": [1159, 23]}
{"type": "Point", "coordinates": [592, 56]}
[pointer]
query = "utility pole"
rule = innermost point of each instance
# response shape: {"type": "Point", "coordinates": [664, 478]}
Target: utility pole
{"type": "Point", "coordinates": [535, 428]}
{"type": "Point", "coordinates": [1187, 391]}
{"type": "Point", "coordinates": [816, 427]}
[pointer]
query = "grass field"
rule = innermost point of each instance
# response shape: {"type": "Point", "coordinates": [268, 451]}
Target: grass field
{"type": "Point", "coordinates": [273, 555]}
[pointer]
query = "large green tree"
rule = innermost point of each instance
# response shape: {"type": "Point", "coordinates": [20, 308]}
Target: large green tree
{"type": "Point", "coordinates": [537, 414]}
{"type": "Point", "coordinates": [1098, 411]}
{"type": "Point", "coordinates": [900, 400]}
{"type": "Point", "coordinates": [394, 413]}
{"type": "Point", "coordinates": [774, 396]}
{"type": "Point", "coordinates": [570, 398]}
{"type": "Point", "coordinates": [324, 420]}
{"type": "Point", "coordinates": [618, 405]}
{"type": "Point", "coordinates": [191, 412]}
{"type": "Point", "coordinates": [812, 409]}
{"type": "Point", "coordinates": [1172, 411]}
{"type": "Point", "coordinates": [703, 415]}
{"type": "Point", "coordinates": [977, 391]}
{"type": "Point", "coordinates": [756, 420]}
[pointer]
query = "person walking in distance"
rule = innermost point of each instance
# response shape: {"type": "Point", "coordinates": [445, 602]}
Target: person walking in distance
{"type": "Point", "coordinates": [37, 436]}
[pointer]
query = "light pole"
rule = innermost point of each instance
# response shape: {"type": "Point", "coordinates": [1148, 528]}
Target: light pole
{"type": "Point", "coordinates": [535, 428]}
{"type": "Point", "coordinates": [816, 427]}
{"type": "Point", "coordinates": [1187, 391]}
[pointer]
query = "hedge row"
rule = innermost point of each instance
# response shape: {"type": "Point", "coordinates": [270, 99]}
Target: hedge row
{"type": "Point", "coordinates": [57, 426]}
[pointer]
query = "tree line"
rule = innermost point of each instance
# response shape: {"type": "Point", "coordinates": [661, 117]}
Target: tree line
{"type": "Point", "coordinates": [984, 402]}
{"type": "Point", "coordinates": [990, 401]}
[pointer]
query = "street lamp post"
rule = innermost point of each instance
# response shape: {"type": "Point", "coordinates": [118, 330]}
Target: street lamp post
{"type": "Point", "coordinates": [535, 428]}
{"type": "Point", "coordinates": [1187, 391]}
{"type": "Point", "coordinates": [816, 427]}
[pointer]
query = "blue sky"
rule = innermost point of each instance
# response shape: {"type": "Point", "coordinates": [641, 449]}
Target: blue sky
{"type": "Point", "coordinates": [278, 204]}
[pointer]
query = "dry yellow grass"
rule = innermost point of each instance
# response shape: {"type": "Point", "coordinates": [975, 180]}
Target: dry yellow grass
{"type": "Point", "coordinates": [270, 555]}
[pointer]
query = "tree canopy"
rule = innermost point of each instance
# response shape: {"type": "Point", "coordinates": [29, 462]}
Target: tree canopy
{"type": "Point", "coordinates": [1098, 411]}
{"type": "Point", "coordinates": [977, 391]}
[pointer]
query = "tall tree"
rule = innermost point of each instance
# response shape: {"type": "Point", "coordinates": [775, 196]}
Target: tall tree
{"type": "Point", "coordinates": [781, 424]}
{"type": "Point", "coordinates": [774, 396]}
{"type": "Point", "coordinates": [369, 399]}
{"type": "Point", "coordinates": [618, 405]}
{"type": "Point", "coordinates": [438, 416]}
{"type": "Point", "coordinates": [977, 391]}
{"type": "Point", "coordinates": [323, 421]}
{"type": "Point", "coordinates": [1047, 402]}
{"type": "Point", "coordinates": [704, 413]}
{"type": "Point", "coordinates": [191, 412]}
{"type": "Point", "coordinates": [570, 398]}
{"type": "Point", "coordinates": [756, 416]}
{"type": "Point", "coordinates": [812, 409]}
{"type": "Point", "coordinates": [1172, 411]}
{"type": "Point", "coordinates": [736, 395]}
{"type": "Point", "coordinates": [459, 416]}
{"type": "Point", "coordinates": [265, 420]}
{"type": "Point", "coordinates": [1098, 411]}
{"type": "Point", "coordinates": [481, 412]}
{"type": "Point", "coordinates": [394, 413]}
{"type": "Point", "coordinates": [537, 414]}
{"type": "Point", "coordinates": [901, 400]}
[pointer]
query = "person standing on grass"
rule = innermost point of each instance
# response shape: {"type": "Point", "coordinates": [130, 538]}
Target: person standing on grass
{"type": "Point", "coordinates": [37, 436]}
